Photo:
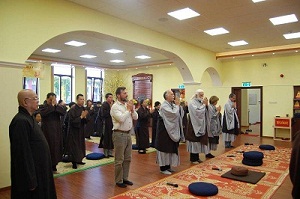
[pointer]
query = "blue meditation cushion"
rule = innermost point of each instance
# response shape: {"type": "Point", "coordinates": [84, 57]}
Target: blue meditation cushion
{"type": "Point", "coordinates": [266, 147]}
{"type": "Point", "coordinates": [134, 147]}
{"type": "Point", "coordinates": [95, 156]}
{"type": "Point", "coordinates": [253, 158]}
{"type": "Point", "coordinates": [203, 189]}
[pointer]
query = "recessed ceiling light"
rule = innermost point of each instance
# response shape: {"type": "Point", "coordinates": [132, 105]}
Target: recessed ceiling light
{"type": "Point", "coordinates": [142, 57]}
{"type": "Point", "coordinates": [51, 50]}
{"type": "Point", "coordinates": [117, 61]}
{"type": "Point", "coordinates": [284, 19]}
{"type": "Point", "coordinates": [182, 14]}
{"type": "Point", "coordinates": [88, 56]}
{"type": "Point", "coordinates": [216, 31]}
{"type": "Point", "coordinates": [238, 43]}
{"type": "Point", "coordinates": [75, 43]}
{"type": "Point", "coordinates": [256, 1]}
{"type": "Point", "coordinates": [292, 35]}
{"type": "Point", "coordinates": [114, 51]}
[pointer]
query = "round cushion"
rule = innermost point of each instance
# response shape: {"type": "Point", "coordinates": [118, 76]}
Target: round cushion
{"type": "Point", "coordinates": [203, 189]}
{"type": "Point", "coordinates": [253, 158]}
{"type": "Point", "coordinates": [266, 147]}
{"type": "Point", "coordinates": [95, 156]}
{"type": "Point", "coordinates": [239, 171]}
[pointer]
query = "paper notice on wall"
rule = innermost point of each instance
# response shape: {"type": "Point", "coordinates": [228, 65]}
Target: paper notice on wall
{"type": "Point", "coordinates": [34, 70]}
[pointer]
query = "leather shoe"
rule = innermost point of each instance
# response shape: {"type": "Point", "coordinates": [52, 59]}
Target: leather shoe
{"type": "Point", "coordinates": [127, 182]}
{"type": "Point", "coordinates": [74, 165]}
{"type": "Point", "coordinates": [82, 163]}
{"type": "Point", "coordinates": [122, 185]}
{"type": "Point", "coordinates": [209, 155]}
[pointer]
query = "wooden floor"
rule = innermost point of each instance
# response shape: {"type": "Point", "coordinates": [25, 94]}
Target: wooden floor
{"type": "Point", "coordinates": [99, 183]}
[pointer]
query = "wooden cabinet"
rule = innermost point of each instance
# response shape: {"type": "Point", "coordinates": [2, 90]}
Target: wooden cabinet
{"type": "Point", "coordinates": [296, 111]}
{"type": "Point", "coordinates": [282, 128]}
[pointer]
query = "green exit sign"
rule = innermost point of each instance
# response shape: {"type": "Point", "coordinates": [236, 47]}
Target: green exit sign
{"type": "Point", "coordinates": [246, 84]}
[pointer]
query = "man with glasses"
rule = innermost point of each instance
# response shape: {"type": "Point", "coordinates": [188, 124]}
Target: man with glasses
{"type": "Point", "coordinates": [31, 168]}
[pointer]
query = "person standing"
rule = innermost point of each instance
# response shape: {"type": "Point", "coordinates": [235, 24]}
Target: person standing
{"type": "Point", "coordinates": [142, 132]}
{"type": "Point", "coordinates": [51, 113]}
{"type": "Point", "coordinates": [294, 168]}
{"type": "Point", "coordinates": [108, 145]}
{"type": "Point", "coordinates": [154, 115]}
{"type": "Point", "coordinates": [231, 123]}
{"type": "Point", "coordinates": [122, 113]}
{"type": "Point", "coordinates": [215, 124]}
{"type": "Point", "coordinates": [78, 117]}
{"type": "Point", "coordinates": [169, 133]}
{"type": "Point", "coordinates": [89, 126]}
{"type": "Point", "coordinates": [31, 167]}
{"type": "Point", "coordinates": [198, 127]}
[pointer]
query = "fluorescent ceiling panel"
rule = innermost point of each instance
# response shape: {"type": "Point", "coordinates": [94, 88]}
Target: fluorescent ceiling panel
{"type": "Point", "coordinates": [117, 61]}
{"type": "Point", "coordinates": [142, 57]}
{"type": "Point", "coordinates": [113, 51]}
{"type": "Point", "coordinates": [238, 43]}
{"type": "Point", "coordinates": [88, 56]}
{"type": "Point", "coordinates": [182, 14]}
{"type": "Point", "coordinates": [51, 50]}
{"type": "Point", "coordinates": [256, 1]}
{"type": "Point", "coordinates": [292, 35]}
{"type": "Point", "coordinates": [75, 43]}
{"type": "Point", "coordinates": [284, 19]}
{"type": "Point", "coordinates": [216, 31]}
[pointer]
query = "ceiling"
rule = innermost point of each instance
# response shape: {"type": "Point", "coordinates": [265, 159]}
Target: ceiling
{"type": "Point", "coordinates": [243, 19]}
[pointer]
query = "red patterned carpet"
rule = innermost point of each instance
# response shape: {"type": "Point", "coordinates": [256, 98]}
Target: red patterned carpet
{"type": "Point", "coordinates": [275, 165]}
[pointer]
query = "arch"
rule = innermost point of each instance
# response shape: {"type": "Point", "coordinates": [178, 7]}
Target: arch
{"type": "Point", "coordinates": [171, 57]}
{"type": "Point", "coordinates": [214, 75]}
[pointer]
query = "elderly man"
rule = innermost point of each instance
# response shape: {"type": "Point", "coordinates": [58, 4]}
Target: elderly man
{"type": "Point", "coordinates": [198, 127]}
{"type": "Point", "coordinates": [169, 133]}
{"type": "Point", "coordinates": [31, 168]}
{"type": "Point", "coordinates": [122, 113]}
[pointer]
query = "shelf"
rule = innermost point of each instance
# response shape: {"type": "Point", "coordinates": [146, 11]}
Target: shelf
{"type": "Point", "coordinates": [282, 128]}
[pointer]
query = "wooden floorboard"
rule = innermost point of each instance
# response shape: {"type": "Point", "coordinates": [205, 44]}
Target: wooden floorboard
{"type": "Point", "coordinates": [99, 182]}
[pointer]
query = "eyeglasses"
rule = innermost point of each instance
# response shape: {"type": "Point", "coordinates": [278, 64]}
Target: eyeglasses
{"type": "Point", "coordinates": [33, 98]}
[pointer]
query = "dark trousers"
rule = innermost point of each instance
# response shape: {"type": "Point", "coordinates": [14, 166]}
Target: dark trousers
{"type": "Point", "coordinates": [164, 168]}
{"type": "Point", "coordinates": [194, 157]}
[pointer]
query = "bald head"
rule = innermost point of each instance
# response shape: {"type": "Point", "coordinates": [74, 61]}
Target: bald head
{"type": "Point", "coordinates": [29, 100]}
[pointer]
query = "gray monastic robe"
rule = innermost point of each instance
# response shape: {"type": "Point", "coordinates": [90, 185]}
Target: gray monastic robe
{"type": "Point", "coordinates": [172, 118]}
{"type": "Point", "coordinates": [230, 115]}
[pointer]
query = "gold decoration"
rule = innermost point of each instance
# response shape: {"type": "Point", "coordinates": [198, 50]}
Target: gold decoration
{"type": "Point", "coordinates": [298, 94]}
{"type": "Point", "coordinates": [296, 105]}
{"type": "Point", "coordinates": [112, 81]}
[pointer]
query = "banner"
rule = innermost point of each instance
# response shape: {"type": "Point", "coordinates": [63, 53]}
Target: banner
{"type": "Point", "coordinates": [34, 70]}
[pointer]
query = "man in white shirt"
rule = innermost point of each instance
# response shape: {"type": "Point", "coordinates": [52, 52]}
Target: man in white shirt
{"type": "Point", "coordinates": [122, 113]}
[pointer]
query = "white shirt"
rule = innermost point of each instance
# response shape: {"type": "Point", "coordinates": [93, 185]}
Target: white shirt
{"type": "Point", "coordinates": [121, 117]}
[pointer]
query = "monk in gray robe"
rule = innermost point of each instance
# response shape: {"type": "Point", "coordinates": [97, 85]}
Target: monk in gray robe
{"type": "Point", "coordinates": [198, 126]}
{"type": "Point", "coordinates": [31, 172]}
{"type": "Point", "coordinates": [215, 122]}
{"type": "Point", "coordinates": [169, 133]}
{"type": "Point", "coordinates": [231, 122]}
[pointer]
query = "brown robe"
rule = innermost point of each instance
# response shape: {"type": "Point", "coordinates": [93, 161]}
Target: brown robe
{"type": "Point", "coordinates": [30, 159]}
{"type": "Point", "coordinates": [52, 129]}
{"type": "Point", "coordinates": [295, 166]}
{"type": "Point", "coordinates": [76, 140]}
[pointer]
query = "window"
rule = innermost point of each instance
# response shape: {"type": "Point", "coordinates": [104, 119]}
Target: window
{"type": "Point", "coordinates": [94, 84]}
{"type": "Point", "coordinates": [63, 75]}
{"type": "Point", "coordinates": [31, 83]}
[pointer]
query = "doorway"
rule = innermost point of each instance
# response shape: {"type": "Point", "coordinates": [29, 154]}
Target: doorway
{"type": "Point", "coordinates": [249, 109]}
